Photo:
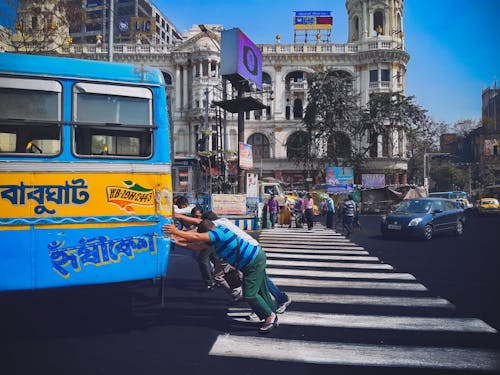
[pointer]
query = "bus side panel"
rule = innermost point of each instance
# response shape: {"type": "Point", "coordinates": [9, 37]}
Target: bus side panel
{"type": "Point", "coordinates": [95, 254]}
{"type": "Point", "coordinates": [82, 228]}
{"type": "Point", "coordinates": [15, 258]}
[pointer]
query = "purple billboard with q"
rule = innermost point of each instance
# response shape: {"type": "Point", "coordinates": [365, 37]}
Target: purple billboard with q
{"type": "Point", "coordinates": [241, 59]}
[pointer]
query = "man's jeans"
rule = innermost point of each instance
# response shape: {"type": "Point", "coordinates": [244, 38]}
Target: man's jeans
{"type": "Point", "coordinates": [278, 295]}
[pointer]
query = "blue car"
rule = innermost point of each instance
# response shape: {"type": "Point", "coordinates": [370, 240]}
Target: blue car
{"type": "Point", "coordinates": [422, 217]}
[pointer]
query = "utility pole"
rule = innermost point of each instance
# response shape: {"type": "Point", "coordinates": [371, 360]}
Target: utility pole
{"type": "Point", "coordinates": [111, 35]}
{"type": "Point", "coordinates": [430, 155]}
{"type": "Point", "coordinates": [241, 139]}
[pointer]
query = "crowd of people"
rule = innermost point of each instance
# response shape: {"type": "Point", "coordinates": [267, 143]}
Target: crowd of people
{"type": "Point", "coordinates": [301, 212]}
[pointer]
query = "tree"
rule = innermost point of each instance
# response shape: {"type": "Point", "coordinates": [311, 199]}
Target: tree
{"type": "Point", "coordinates": [422, 139]}
{"type": "Point", "coordinates": [464, 127]}
{"type": "Point", "coordinates": [330, 118]}
{"type": "Point", "coordinates": [448, 177]}
{"type": "Point", "coordinates": [38, 27]}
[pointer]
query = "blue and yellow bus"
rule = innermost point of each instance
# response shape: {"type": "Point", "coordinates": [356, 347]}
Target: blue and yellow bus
{"type": "Point", "coordinates": [85, 172]}
{"type": "Point", "coordinates": [449, 194]}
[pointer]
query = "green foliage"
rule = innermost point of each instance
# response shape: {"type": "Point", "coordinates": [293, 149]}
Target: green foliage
{"type": "Point", "coordinates": [448, 177]}
{"type": "Point", "coordinates": [330, 118]}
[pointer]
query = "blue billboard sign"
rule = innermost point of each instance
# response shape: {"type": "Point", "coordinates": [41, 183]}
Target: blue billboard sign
{"type": "Point", "coordinates": [339, 180]}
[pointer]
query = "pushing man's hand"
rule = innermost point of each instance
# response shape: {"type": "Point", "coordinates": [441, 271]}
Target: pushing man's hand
{"type": "Point", "coordinates": [169, 228]}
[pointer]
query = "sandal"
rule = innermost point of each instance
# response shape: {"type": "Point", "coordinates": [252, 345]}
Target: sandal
{"type": "Point", "coordinates": [268, 327]}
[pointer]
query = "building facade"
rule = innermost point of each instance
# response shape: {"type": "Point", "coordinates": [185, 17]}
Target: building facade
{"type": "Point", "coordinates": [135, 21]}
{"type": "Point", "coordinates": [374, 56]}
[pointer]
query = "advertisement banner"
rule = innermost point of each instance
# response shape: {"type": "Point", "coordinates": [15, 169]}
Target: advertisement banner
{"type": "Point", "coordinates": [373, 180]}
{"type": "Point", "coordinates": [240, 57]}
{"type": "Point", "coordinates": [252, 185]}
{"type": "Point", "coordinates": [312, 20]}
{"type": "Point", "coordinates": [246, 157]}
{"type": "Point", "coordinates": [339, 180]}
{"type": "Point", "coordinates": [229, 204]}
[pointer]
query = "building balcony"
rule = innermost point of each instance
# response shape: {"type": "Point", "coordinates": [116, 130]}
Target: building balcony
{"type": "Point", "coordinates": [138, 49]}
{"type": "Point", "coordinates": [375, 43]}
{"type": "Point", "coordinates": [298, 86]}
{"type": "Point", "coordinates": [381, 86]}
{"type": "Point", "coordinates": [206, 81]}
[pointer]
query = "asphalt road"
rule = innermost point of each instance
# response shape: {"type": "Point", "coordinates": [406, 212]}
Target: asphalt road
{"type": "Point", "coordinates": [464, 270]}
{"type": "Point", "coordinates": [122, 329]}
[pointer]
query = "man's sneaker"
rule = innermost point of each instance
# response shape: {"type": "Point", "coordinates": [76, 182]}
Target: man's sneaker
{"type": "Point", "coordinates": [281, 308]}
{"type": "Point", "coordinates": [253, 317]}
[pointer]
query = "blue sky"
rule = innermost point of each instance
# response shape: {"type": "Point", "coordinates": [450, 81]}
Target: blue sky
{"type": "Point", "coordinates": [454, 44]}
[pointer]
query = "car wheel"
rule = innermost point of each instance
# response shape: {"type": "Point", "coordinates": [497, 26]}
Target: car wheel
{"type": "Point", "coordinates": [428, 232]}
{"type": "Point", "coordinates": [459, 228]}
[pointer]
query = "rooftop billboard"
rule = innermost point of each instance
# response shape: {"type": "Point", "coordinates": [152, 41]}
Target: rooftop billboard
{"type": "Point", "coordinates": [312, 20]}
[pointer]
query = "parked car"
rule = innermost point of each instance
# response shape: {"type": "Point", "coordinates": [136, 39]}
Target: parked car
{"type": "Point", "coordinates": [488, 206]}
{"type": "Point", "coordinates": [422, 217]}
{"type": "Point", "coordinates": [466, 205]}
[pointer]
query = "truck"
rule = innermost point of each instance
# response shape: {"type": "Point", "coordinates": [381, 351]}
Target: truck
{"type": "Point", "coordinates": [270, 186]}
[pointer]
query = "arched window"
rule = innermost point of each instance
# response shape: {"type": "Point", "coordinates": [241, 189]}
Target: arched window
{"type": "Point", "coordinates": [260, 146]}
{"type": "Point", "coordinates": [339, 145]}
{"type": "Point", "coordinates": [378, 22]}
{"type": "Point", "coordinates": [266, 78]}
{"type": "Point", "coordinates": [297, 109]}
{"type": "Point", "coordinates": [296, 145]}
{"type": "Point", "coordinates": [168, 78]}
{"type": "Point", "coordinates": [355, 35]}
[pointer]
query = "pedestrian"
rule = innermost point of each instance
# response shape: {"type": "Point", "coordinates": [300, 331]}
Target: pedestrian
{"type": "Point", "coordinates": [249, 259]}
{"type": "Point", "coordinates": [273, 209]}
{"type": "Point", "coordinates": [281, 298]}
{"type": "Point", "coordinates": [285, 217]}
{"type": "Point", "coordinates": [330, 211]}
{"type": "Point", "coordinates": [307, 206]}
{"type": "Point", "coordinates": [348, 212]}
{"type": "Point", "coordinates": [206, 258]}
{"type": "Point", "coordinates": [298, 211]}
{"type": "Point", "coordinates": [357, 223]}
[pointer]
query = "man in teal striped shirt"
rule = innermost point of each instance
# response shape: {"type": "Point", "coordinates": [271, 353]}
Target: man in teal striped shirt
{"type": "Point", "coordinates": [252, 263]}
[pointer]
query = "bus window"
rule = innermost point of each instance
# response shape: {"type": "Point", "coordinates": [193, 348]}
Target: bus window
{"type": "Point", "coordinates": [112, 120]}
{"type": "Point", "coordinates": [30, 111]}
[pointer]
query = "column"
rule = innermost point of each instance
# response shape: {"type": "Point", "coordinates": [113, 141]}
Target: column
{"type": "Point", "coordinates": [380, 142]}
{"type": "Point", "coordinates": [279, 94]}
{"type": "Point", "coordinates": [185, 101]}
{"type": "Point", "coordinates": [177, 87]}
{"type": "Point", "coordinates": [201, 68]}
{"type": "Point", "coordinates": [216, 69]}
{"type": "Point", "coordinates": [366, 22]}
{"type": "Point", "coordinates": [404, 178]}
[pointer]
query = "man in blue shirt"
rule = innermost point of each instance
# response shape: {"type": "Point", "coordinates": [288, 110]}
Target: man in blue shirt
{"type": "Point", "coordinates": [348, 212]}
{"type": "Point", "coordinates": [330, 211]}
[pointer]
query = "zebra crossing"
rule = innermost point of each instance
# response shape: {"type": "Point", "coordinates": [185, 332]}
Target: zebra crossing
{"type": "Point", "coordinates": [356, 310]}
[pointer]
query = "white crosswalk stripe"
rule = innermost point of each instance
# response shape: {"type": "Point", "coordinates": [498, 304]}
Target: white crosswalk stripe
{"type": "Point", "coordinates": [304, 263]}
{"type": "Point", "coordinates": [451, 358]}
{"type": "Point", "coordinates": [335, 284]}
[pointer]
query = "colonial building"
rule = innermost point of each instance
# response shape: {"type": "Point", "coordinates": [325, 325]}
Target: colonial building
{"type": "Point", "coordinates": [373, 55]}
